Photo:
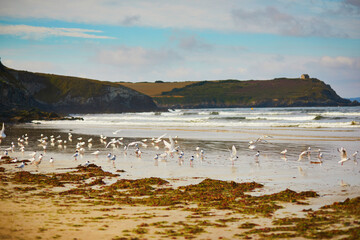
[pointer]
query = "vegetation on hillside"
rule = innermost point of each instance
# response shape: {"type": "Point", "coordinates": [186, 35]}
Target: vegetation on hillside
{"type": "Point", "coordinates": [235, 93]}
{"type": "Point", "coordinates": [22, 90]}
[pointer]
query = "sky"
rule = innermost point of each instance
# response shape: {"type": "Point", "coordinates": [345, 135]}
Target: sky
{"type": "Point", "coordinates": [187, 40]}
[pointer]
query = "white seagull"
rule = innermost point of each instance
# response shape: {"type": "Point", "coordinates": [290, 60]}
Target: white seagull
{"type": "Point", "coordinates": [284, 152]}
{"type": "Point", "coordinates": [233, 155]}
{"type": "Point", "coordinates": [343, 155]}
{"type": "Point", "coordinates": [303, 154]}
{"type": "Point", "coordinates": [320, 154]}
{"type": "Point", "coordinates": [96, 153]}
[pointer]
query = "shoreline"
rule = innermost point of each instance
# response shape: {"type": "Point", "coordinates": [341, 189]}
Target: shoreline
{"type": "Point", "coordinates": [36, 209]}
{"type": "Point", "coordinates": [270, 196]}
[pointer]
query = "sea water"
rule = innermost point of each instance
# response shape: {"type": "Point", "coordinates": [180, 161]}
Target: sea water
{"type": "Point", "coordinates": [214, 131]}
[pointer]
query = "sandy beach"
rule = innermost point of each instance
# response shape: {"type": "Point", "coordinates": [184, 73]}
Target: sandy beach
{"type": "Point", "coordinates": [138, 197]}
{"type": "Point", "coordinates": [38, 210]}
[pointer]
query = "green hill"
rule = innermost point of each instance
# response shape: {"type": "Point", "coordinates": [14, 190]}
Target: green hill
{"type": "Point", "coordinates": [23, 91]}
{"type": "Point", "coordinates": [280, 92]}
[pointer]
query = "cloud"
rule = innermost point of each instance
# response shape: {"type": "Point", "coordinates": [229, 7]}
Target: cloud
{"type": "Point", "coordinates": [352, 6]}
{"type": "Point", "coordinates": [34, 32]}
{"type": "Point", "coordinates": [191, 43]}
{"type": "Point", "coordinates": [272, 20]}
{"type": "Point", "coordinates": [137, 57]}
{"type": "Point", "coordinates": [294, 18]}
{"type": "Point", "coordinates": [340, 62]}
{"type": "Point", "coordinates": [130, 20]}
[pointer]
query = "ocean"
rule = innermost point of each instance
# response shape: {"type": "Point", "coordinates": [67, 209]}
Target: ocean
{"type": "Point", "coordinates": [215, 131]}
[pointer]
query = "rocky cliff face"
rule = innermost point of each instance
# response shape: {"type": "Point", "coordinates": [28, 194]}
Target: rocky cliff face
{"type": "Point", "coordinates": [21, 90]}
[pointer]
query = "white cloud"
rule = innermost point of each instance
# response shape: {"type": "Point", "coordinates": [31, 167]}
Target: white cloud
{"type": "Point", "coordinates": [340, 62]}
{"type": "Point", "coordinates": [34, 32]}
{"type": "Point", "coordinates": [296, 18]}
{"type": "Point", "coordinates": [137, 57]}
{"type": "Point", "coordinates": [272, 20]}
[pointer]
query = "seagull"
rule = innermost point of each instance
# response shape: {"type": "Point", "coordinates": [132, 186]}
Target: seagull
{"type": "Point", "coordinates": [113, 141]}
{"type": "Point", "coordinates": [159, 138]}
{"type": "Point", "coordinates": [138, 152]}
{"type": "Point", "coordinates": [252, 146]}
{"type": "Point", "coordinates": [302, 155]}
{"type": "Point", "coordinates": [343, 160]}
{"type": "Point", "coordinates": [257, 154]}
{"type": "Point", "coordinates": [342, 151]}
{"type": "Point", "coordinates": [136, 144]}
{"type": "Point", "coordinates": [181, 155]}
{"type": "Point", "coordinates": [320, 154]}
{"type": "Point", "coordinates": [284, 152]}
{"type": "Point", "coordinates": [354, 156]}
{"type": "Point", "coordinates": [2, 132]}
{"type": "Point", "coordinates": [171, 145]}
{"type": "Point", "coordinates": [343, 155]}
{"type": "Point", "coordinates": [113, 158]}
{"type": "Point", "coordinates": [22, 165]}
{"type": "Point", "coordinates": [109, 155]}
{"type": "Point", "coordinates": [117, 131]}
{"type": "Point", "coordinates": [87, 163]}
{"type": "Point", "coordinates": [39, 160]}
{"type": "Point", "coordinates": [96, 153]}
{"type": "Point", "coordinates": [233, 155]}
{"type": "Point", "coordinates": [191, 160]}
{"type": "Point", "coordinates": [309, 152]}
{"type": "Point", "coordinates": [76, 154]}
{"type": "Point", "coordinates": [51, 160]}
{"type": "Point", "coordinates": [202, 154]}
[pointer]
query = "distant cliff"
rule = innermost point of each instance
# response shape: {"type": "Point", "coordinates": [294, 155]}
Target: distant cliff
{"type": "Point", "coordinates": [280, 92]}
{"type": "Point", "coordinates": [22, 90]}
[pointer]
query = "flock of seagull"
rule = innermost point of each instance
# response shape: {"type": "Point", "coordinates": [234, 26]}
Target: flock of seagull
{"type": "Point", "coordinates": [171, 147]}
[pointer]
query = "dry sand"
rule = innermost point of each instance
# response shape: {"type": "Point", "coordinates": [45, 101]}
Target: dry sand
{"type": "Point", "coordinates": [26, 215]}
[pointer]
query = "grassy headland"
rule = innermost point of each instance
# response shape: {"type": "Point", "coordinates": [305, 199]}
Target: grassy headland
{"type": "Point", "coordinates": [280, 92]}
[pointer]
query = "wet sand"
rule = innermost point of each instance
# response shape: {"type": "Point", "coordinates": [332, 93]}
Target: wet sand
{"type": "Point", "coordinates": [30, 215]}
